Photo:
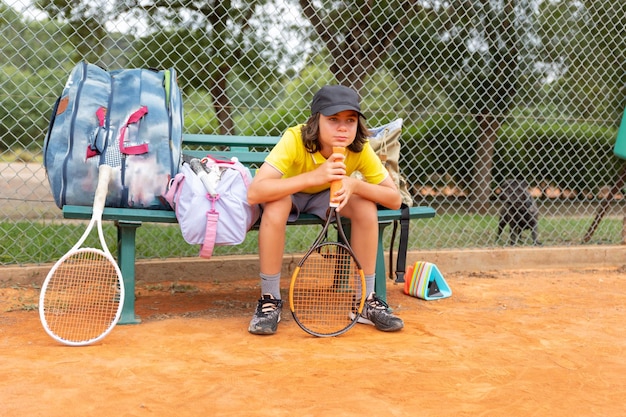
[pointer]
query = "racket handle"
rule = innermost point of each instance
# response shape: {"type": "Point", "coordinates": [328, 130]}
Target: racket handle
{"type": "Point", "coordinates": [336, 185]}
{"type": "Point", "coordinates": [99, 199]}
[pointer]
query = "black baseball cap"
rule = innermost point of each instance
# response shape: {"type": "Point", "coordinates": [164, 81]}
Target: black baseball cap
{"type": "Point", "coordinates": [332, 99]}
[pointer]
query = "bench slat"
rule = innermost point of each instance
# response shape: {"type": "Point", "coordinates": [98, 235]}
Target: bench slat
{"type": "Point", "coordinates": [246, 158]}
{"type": "Point", "coordinates": [229, 140]}
{"type": "Point", "coordinates": [165, 216]}
{"type": "Point", "coordinates": [125, 214]}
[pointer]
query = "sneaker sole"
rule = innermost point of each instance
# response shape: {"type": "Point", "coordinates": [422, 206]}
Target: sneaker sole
{"type": "Point", "coordinates": [364, 320]}
{"type": "Point", "coordinates": [264, 331]}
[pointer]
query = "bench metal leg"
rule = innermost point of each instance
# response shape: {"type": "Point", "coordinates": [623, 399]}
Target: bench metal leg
{"type": "Point", "coordinates": [380, 286]}
{"type": "Point", "coordinates": [126, 232]}
{"type": "Point", "coordinates": [381, 271]}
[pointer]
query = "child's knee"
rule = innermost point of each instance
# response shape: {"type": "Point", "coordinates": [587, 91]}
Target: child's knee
{"type": "Point", "coordinates": [363, 211]}
{"type": "Point", "coordinates": [277, 210]}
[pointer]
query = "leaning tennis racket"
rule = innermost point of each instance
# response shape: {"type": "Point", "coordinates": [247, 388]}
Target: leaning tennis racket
{"type": "Point", "coordinates": [82, 296]}
{"type": "Point", "coordinates": [328, 284]}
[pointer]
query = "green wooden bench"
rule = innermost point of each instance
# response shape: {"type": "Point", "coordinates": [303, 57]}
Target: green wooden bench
{"type": "Point", "coordinates": [251, 151]}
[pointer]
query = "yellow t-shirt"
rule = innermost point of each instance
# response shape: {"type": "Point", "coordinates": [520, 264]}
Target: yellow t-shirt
{"type": "Point", "coordinates": [291, 158]}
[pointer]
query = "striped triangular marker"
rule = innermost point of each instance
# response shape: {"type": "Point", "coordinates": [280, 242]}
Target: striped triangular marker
{"type": "Point", "coordinates": [424, 280]}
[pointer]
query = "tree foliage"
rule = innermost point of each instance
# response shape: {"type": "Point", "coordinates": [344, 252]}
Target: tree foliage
{"type": "Point", "coordinates": [583, 46]}
{"type": "Point", "coordinates": [211, 43]}
{"type": "Point", "coordinates": [357, 35]}
{"type": "Point", "coordinates": [27, 78]}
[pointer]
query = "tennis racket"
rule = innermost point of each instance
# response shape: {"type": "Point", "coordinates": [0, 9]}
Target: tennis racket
{"type": "Point", "coordinates": [328, 285]}
{"type": "Point", "coordinates": [82, 296]}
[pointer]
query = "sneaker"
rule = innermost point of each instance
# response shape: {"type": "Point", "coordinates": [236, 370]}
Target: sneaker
{"type": "Point", "coordinates": [377, 313]}
{"type": "Point", "coordinates": [266, 316]}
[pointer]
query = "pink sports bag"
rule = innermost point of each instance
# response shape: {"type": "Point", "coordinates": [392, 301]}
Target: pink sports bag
{"type": "Point", "coordinates": [209, 198]}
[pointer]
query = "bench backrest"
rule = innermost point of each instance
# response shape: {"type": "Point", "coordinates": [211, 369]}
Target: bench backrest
{"type": "Point", "coordinates": [250, 150]}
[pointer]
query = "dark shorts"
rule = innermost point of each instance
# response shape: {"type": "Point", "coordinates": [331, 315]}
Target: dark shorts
{"type": "Point", "coordinates": [316, 204]}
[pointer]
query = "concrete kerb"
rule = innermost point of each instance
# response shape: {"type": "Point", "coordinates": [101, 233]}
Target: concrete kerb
{"type": "Point", "coordinates": [576, 257]}
{"type": "Point", "coordinates": [226, 268]}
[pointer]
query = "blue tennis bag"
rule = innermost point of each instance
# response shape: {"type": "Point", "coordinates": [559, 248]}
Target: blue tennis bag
{"type": "Point", "coordinates": [129, 119]}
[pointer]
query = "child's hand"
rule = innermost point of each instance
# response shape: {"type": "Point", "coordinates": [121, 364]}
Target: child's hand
{"type": "Point", "coordinates": [342, 196]}
{"type": "Point", "coordinates": [338, 166]}
{"type": "Point", "coordinates": [332, 170]}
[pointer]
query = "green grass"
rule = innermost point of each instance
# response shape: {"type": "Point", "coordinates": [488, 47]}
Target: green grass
{"type": "Point", "coordinates": [36, 242]}
{"type": "Point", "coordinates": [480, 231]}
{"type": "Point", "coordinates": [33, 242]}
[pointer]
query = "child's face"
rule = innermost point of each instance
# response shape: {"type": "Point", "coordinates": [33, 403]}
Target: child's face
{"type": "Point", "coordinates": [338, 129]}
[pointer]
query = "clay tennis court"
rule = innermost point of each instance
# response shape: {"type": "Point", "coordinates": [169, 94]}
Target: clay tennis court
{"type": "Point", "coordinates": [521, 343]}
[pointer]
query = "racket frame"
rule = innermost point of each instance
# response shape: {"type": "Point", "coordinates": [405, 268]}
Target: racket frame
{"type": "Point", "coordinates": [320, 240]}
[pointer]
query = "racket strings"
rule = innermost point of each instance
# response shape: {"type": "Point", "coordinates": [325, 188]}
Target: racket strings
{"type": "Point", "coordinates": [82, 297]}
{"type": "Point", "coordinates": [325, 290]}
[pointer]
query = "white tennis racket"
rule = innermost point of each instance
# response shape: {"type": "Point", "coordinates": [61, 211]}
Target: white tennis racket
{"type": "Point", "coordinates": [82, 297]}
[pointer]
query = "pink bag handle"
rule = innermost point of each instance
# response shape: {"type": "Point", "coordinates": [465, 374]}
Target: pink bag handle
{"type": "Point", "coordinates": [217, 161]}
{"type": "Point", "coordinates": [134, 118]}
{"type": "Point", "coordinates": [228, 164]}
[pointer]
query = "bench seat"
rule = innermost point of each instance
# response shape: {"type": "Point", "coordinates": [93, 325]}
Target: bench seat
{"type": "Point", "coordinates": [250, 151]}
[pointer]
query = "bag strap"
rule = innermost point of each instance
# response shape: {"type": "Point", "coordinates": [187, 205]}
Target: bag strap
{"type": "Point", "coordinates": [382, 153]}
{"type": "Point", "coordinates": [402, 246]}
{"type": "Point", "coordinates": [210, 232]}
{"type": "Point", "coordinates": [92, 147]}
{"type": "Point", "coordinates": [206, 249]}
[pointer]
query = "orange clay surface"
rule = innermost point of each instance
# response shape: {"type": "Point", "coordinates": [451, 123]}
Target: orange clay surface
{"type": "Point", "coordinates": [516, 343]}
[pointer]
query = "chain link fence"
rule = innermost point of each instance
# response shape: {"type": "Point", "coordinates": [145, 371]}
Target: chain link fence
{"type": "Point", "coordinates": [531, 90]}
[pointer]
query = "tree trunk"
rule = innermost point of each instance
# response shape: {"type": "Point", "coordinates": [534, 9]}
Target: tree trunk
{"type": "Point", "coordinates": [221, 104]}
{"type": "Point", "coordinates": [604, 205]}
{"type": "Point", "coordinates": [483, 161]}
{"type": "Point", "coordinates": [357, 48]}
